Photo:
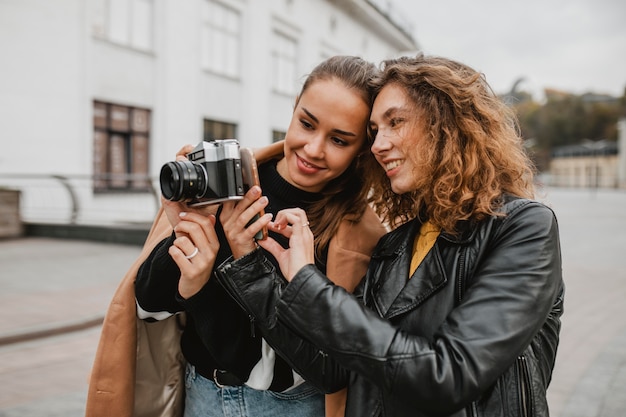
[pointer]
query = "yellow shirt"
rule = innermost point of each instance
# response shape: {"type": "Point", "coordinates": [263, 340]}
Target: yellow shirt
{"type": "Point", "coordinates": [424, 241]}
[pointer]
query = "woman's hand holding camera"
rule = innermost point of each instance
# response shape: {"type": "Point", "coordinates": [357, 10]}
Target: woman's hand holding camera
{"type": "Point", "coordinates": [237, 220]}
{"type": "Point", "coordinates": [174, 208]}
{"type": "Point", "coordinates": [194, 250]}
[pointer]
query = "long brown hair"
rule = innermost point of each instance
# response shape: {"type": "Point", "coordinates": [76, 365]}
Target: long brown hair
{"type": "Point", "coordinates": [345, 196]}
{"type": "Point", "coordinates": [472, 153]}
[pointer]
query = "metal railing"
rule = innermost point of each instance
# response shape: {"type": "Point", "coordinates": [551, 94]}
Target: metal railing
{"type": "Point", "coordinates": [75, 198]}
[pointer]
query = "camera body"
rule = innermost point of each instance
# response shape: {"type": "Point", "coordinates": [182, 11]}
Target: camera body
{"type": "Point", "coordinates": [212, 174]}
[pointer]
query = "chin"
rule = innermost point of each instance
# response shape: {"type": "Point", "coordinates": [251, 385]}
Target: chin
{"type": "Point", "coordinates": [399, 190]}
{"type": "Point", "coordinates": [396, 188]}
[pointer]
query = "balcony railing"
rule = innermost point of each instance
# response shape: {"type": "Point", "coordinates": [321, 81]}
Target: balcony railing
{"type": "Point", "coordinates": [81, 199]}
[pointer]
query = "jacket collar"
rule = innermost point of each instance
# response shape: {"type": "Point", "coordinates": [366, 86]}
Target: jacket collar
{"type": "Point", "coordinates": [425, 281]}
{"type": "Point", "coordinates": [392, 293]}
{"type": "Point", "coordinates": [401, 239]}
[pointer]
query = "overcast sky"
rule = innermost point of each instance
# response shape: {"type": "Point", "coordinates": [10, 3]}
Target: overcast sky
{"type": "Point", "coordinates": [572, 45]}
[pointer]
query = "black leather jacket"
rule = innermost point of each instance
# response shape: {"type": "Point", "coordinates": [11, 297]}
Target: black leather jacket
{"type": "Point", "coordinates": [474, 332]}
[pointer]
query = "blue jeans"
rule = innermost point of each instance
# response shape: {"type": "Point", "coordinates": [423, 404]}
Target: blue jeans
{"type": "Point", "coordinates": [205, 399]}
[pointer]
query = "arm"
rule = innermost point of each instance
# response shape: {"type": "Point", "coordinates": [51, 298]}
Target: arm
{"type": "Point", "coordinates": [301, 356]}
{"type": "Point", "coordinates": [168, 272]}
{"type": "Point", "coordinates": [253, 281]}
{"type": "Point", "coordinates": [509, 299]}
{"type": "Point", "coordinates": [156, 284]}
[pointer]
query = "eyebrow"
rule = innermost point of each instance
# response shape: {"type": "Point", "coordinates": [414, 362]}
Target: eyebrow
{"type": "Point", "coordinates": [392, 110]}
{"type": "Point", "coordinates": [338, 131]}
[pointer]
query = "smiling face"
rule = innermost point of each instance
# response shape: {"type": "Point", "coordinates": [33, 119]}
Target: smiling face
{"type": "Point", "coordinates": [327, 131]}
{"type": "Point", "coordinates": [398, 135]}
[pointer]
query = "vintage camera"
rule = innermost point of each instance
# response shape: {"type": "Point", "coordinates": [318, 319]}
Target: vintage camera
{"type": "Point", "coordinates": [212, 174]}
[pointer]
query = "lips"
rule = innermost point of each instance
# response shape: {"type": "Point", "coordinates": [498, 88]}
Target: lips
{"type": "Point", "coordinates": [306, 166]}
{"type": "Point", "coordinates": [393, 164]}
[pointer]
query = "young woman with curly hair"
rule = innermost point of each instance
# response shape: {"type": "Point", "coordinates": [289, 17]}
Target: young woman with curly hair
{"type": "Point", "coordinates": [459, 311]}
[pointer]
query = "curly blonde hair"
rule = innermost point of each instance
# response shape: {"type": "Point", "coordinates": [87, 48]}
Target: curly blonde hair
{"type": "Point", "coordinates": [472, 154]}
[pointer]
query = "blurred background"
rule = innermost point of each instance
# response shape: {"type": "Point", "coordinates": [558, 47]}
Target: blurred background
{"type": "Point", "coordinates": [95, 96]}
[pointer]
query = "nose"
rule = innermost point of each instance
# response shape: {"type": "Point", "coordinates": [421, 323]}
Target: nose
{"type": "Point", "coordinates": [381, 143]}
{"type": "Point", "coordinates": [314, 148]}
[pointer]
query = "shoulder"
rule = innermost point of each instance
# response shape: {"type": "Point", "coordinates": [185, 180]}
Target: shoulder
{"type": "Point", "coordinates": [350, 249]}
{"type": "Point", "coordinates": [361, 235]}
{"type": "Point", "coordinates": [516, 209]}
{"type": "Point", "coordinates": [269, 152]}
{"type": "Point", "coordinates": [522, 219]}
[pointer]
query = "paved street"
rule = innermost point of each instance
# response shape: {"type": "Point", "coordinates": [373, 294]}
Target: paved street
{"type": "Point", "coordinates": [50, 286]}
{"type": "Point", "coordinates": [590, 373]}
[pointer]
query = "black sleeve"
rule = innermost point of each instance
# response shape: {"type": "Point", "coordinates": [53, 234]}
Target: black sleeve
{"type": "Point", "coordinates": [256, 285]}
{"type": "Point", "coordinates": [224, 329]}
{"type": "Point", "coordinates": [156, 284]}
{"type": "Point", "coordinates": [513, 292]}
{"type": "Point", "coordinates": [220, 324]}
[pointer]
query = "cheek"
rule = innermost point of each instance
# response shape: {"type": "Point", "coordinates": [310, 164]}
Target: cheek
{"type": "Point", "coordinates": [295, 134]}
{"type": "Point", "coordinates": [340, 161]}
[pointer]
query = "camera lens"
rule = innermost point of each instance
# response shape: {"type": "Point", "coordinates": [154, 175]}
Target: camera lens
{"type": "Point", "coordinates": [182, 180]}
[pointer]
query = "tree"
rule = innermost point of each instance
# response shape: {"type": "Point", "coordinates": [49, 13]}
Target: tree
{"type": "Point", "coordinates": [566, 119]}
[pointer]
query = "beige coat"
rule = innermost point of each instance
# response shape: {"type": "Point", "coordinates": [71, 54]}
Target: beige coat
{"type": "Point", "coordinates": [137, 371]}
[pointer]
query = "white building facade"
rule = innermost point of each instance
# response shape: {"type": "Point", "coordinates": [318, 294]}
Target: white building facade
{"type": "Point", "coordinates": [95, 96]}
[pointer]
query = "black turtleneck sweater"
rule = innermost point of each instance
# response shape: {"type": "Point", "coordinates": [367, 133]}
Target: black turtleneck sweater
{"type": "Point", "coordinates": [219, 333]}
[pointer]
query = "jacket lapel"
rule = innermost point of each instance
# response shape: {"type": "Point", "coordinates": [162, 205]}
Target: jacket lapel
{"type": "Point", "coordinates": [426, 280]}
{"type": "Point", "coordinates": [393, 293]}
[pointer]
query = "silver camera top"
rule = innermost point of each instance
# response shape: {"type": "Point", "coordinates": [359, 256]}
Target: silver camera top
{"type": "Point", "coordinates": [215, 150]}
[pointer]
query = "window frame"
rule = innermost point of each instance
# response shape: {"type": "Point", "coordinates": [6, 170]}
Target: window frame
{"type": "Point", "coordinates": [126, 23]}
{"type": "Point", "coordinates": [121, 148]}
{"type": "Point", "coordinates": [218, 129]}
{"type": "Point", "coordinates": [284, 55]}
{"type": "Point", "coordinates": [220, 41]}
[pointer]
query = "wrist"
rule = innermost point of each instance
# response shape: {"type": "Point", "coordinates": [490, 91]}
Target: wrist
{"type": "Point", "coordinates": [188, 290]}
{"type": "Point", "coordinates": [240, 252]}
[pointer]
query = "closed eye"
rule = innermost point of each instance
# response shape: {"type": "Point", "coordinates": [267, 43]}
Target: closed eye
{"type": "Point", "coordinates": [306, 124]}
{"type": "Point", "coordinates": [395, 122]}
{"type": "Point", "coordinates": [338, 141]}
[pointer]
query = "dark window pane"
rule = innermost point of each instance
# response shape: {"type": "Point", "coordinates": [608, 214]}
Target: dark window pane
{"type": "Point", "coordinates": [120, 119]}
{"type": "Point", "coordinates": [121, 147]}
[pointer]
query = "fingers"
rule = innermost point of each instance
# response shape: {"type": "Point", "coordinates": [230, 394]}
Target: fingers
{"type": "Point", "coordinates": [240, 221]}
{"type": "Point", "coordinates": [272, 247]}
{"type": "Point", "coordinates": [289, 219]}
{"type": "Point", "coordinates": [183, 249]}
{"type": "Point", "coordinates": [198, 229]}
{"type": "Point", "coordinates": [284, 230]}
{"type": "Point", "coordinates": [172, 210]}
{"type": "Point", "coordinates": [182, 153]}
{"type": "Point", "coordinates": [232, 210]}
{"type": "Point", "coordinates": [294, 224]}
{"type": "Point", "coordinates": [194, 251]}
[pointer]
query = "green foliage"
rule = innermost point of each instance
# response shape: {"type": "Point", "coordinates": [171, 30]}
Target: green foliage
{"type": "Point", "coordinates": [567, 119]}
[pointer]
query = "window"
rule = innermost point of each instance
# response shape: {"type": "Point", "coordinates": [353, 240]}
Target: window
{"type": "Point", "coordinates": [220, 39]}
{"type": "Point", "coordinates": [284, 64]}
{"type": "Point", "coordinates": [219, 130]}
{"type": "Point", "coordinates": [121, 139]}
{"type": "Point", "coordinates": [278, 135]}
{"type": "Point", "coordinates": [126, 22]}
